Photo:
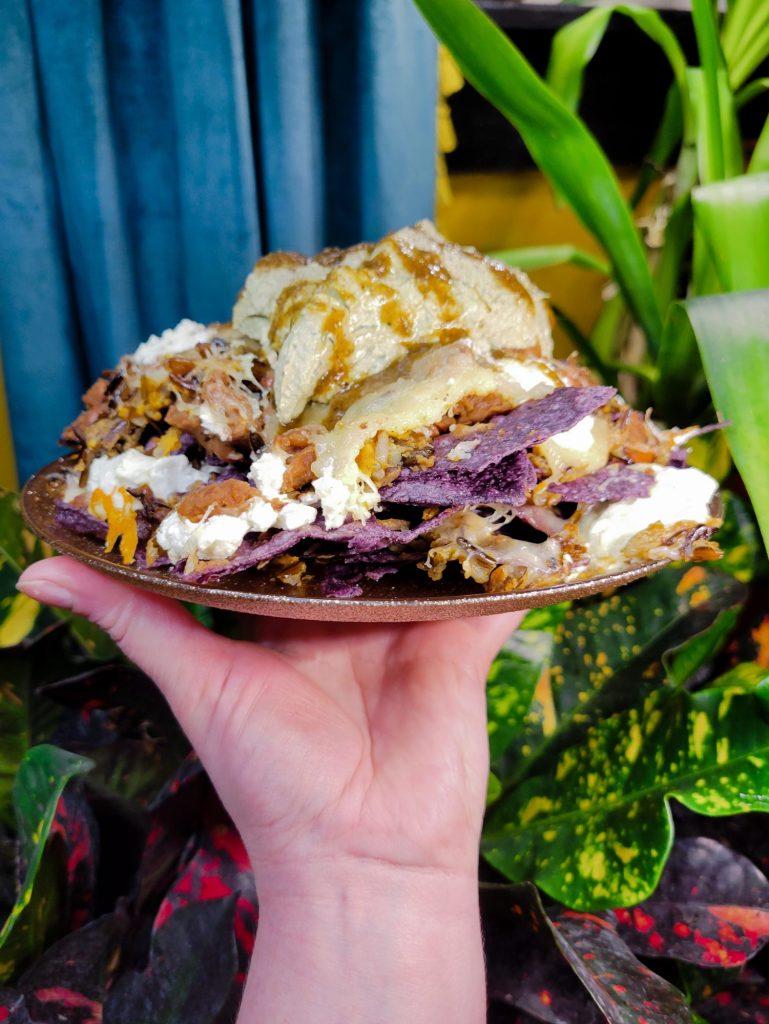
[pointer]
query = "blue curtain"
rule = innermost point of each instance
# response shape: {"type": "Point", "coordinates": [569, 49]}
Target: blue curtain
{"type": "Point", "coordinates": [151, 150]}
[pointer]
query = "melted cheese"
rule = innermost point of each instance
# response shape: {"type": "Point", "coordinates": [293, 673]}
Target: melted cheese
{"type": "Point", "coordinates": [438, 380]}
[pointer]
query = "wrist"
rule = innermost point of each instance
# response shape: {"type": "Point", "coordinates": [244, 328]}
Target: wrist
{"type": "Point", "coordinates": [376, 942]}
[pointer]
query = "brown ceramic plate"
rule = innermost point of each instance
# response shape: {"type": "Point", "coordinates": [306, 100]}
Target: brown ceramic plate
{"type": "Point", "coordinates": [408, 597]}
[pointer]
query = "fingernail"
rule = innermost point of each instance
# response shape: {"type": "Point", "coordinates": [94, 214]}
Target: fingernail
{"type": "Point", "coordinates": [46, 592]}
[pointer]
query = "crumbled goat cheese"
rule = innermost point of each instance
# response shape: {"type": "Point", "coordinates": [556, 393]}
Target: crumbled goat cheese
{"type": "Point", "coordinates": [165, 476]}
{"type": "Point", "coordinates": [294, 514]}
{"type": "Point", "coordinates": [678, 495]}
{"type": "Point", "coordinates": [186, 335]}
{"type": "Point", "coordinates": [220, 536]}
{"type": "Point", "coordinates": [266, 473]}
{"type": "Point", "coordinates": [338, 500]}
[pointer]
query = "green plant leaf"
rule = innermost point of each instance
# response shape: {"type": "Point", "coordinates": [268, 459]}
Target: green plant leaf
{"type": "Point", "coordinates": [733, 218]}
{"type": "Point", "coordinates": [607, 655]}
{"type": "Point", "coordinates": [557, 139]}
{"type": "Point", "coordinates": [683, 662]}
{"type": "Point", "coordinates": [750, 91]}
{"type": "Point", "coordinates": [597, 831]}
{"type": "Point", "coordinates": [738, 539]}
{"type": "Point", "coordinates": [732, 331]}
{"type": "Point", "coordinates": [538, 256]}
{"type": "Point", "coordinates": [40, 781]}
{"type": "Point", "coordinates": [708, 93]}
{"type": "Point", "coordinates": [745, 38]}
{"type": "Point", "coordinates": [510, 687]}
{"type": "Point", "coordinates": [759, 161]}
{"type": "Point", "coordinates": [575, 45]}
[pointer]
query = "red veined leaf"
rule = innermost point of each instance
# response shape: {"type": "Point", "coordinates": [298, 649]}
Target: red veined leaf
{"type": "Point", "coordinates": [190, 976]}
{"type": "Point", "coordinates": [622, 989]}
{"type": "Point", "coordinates": [625, 990]}
{"type": "Point", "coordinates": [76, 829]}
{"type": "Point", "coordinates": [711, 908]}
{"type": "Point", "coordinates": [744, 1002]}
{"type": "Point", "coordinates": [67, 984]}
{"type": "Point", "coordinates": [525, 970]}
{"type": "Point", "coordinates": [218, 868]}
{"type": "Point", "coordinates": [13, 1009]}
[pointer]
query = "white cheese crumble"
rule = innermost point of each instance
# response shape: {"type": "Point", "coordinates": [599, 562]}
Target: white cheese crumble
{"type": "Point", "coordinates": [266, 473]}
{"type": "Point", "coordinates": [220, 536]}
{"type": "Point", "coordinates": [166, 475]}
{"type": "Point", "coordinates": [186, 335]}
{"type": "Point", "coordinates": [678, 495]}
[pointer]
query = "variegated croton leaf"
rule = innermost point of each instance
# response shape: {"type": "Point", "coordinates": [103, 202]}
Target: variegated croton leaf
{"type": "Point", "coordinates": [607, 654]}
{"type": "Point", "coordinates": [561, 967]}
{"type": "Point", "coordinates": [711, 908]}
{"type": "Point", "coordinates": [595, 830]}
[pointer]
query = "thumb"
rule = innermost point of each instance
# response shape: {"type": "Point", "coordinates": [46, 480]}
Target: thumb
{"type": "Point", "coordinates": [189, 664]}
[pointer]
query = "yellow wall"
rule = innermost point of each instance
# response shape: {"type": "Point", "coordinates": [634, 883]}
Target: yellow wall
{"type": "Point", "coordinates": [516, 210]}
{"type": "Point", "coordinates": [7, 465]}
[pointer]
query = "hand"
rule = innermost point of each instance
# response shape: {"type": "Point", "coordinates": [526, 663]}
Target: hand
{"type": "Point", "coordinates": [349, 753]}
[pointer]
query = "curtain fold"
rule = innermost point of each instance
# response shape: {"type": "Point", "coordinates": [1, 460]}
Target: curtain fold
{"type": "Point", "coordinates": [152, 150]}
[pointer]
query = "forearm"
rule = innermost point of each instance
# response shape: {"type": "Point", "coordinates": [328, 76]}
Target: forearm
{"type": "Point", "coordinates": [367, 944]}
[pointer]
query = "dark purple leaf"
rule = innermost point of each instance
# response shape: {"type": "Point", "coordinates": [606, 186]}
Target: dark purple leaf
{"type": "Point", "coordinates": [191, 971]}
{"type": "Point", "coordinates": [624, 989]}
{"type": "Point", "coordinates": [744, 1002]}
{"type": "Point", "coordinates": [711, 908]}
{"type": "Point", "coordinates": [186, 805]}
{"type": "Point", "coordinates": [13, 1009]}
{"type": "Point", "coordinates": [617, 482]}
{"type": "Point", "coordinates": [524, 973]}
{"type": "Point", "coordinates": [218, 868]}
{"type": "Point", "coordinates": [67, 984]}
{"type": "Point", "coordinates": [524, 967]}
{"type": "Point", "coordinates": [76, 832]}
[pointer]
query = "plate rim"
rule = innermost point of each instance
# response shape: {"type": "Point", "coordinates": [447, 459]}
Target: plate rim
{"type": "Point", "coordinates": [352, 609]}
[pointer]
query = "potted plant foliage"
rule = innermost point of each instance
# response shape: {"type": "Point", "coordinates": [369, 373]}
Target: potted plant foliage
{"type": "Point", "coordinates": [625, 858]}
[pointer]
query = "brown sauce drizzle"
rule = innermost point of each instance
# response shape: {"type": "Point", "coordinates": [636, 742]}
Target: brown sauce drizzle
{"type": "Point", "coordinates": [431, 278]}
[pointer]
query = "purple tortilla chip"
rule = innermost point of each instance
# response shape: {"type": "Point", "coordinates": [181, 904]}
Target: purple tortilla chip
{"type": "Point", "coordinates": [527, 425]}
{"type": "Point", "coordinates": [80, 521]}
{"type": "Point", "coordinates": [497, 469]}
{"type": "Point", "coordinates": [617, 482]}
{"type": "Point", "coordinates": [358, 537]}
{"type": "Point", "coordinates": [507, 482]}
{"type": "Point", "coordinates": [83, 523]}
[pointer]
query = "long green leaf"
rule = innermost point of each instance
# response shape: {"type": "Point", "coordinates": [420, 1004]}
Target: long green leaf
{"type": "Point", "coordinates": [576, 44]}
{"type": "Point", "coordinates": [749, 92]}
{"type": "Point", "coordinates": [538, 256]}
{"type": "Point", "coordinates": [733, 219]}
{"type": "Point", "coordinates": [558, 141]}
{"type": "Point", "coordinates": [759, 161]}
{"type": "Point", "coordinates": [745, 38]}
{"type": "Point", "coordinates": [711, 60]}
{"type": "Point", "coordinates": [732, 331]}
{"type": "Point", "coordinates": [596, 831]}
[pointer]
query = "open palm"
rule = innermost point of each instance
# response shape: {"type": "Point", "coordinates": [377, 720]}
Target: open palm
{"type": "Point", "coordinates": [325, 741]}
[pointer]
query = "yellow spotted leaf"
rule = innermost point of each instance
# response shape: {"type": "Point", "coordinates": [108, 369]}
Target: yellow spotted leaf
{"type": "Point", "coordinates": [596, 831]}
